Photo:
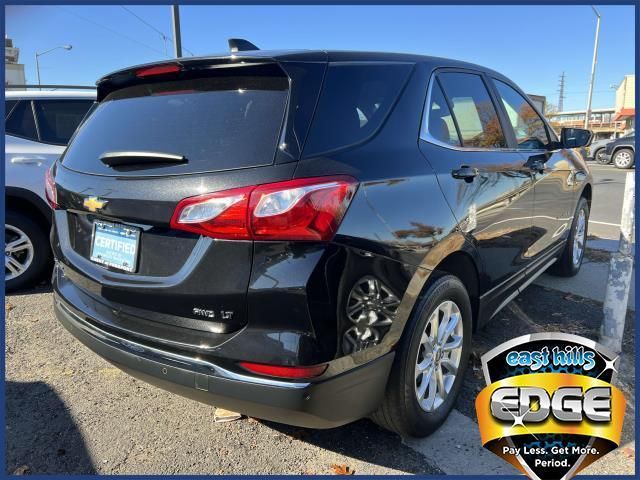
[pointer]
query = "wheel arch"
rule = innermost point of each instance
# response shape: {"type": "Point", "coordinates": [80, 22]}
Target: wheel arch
{"type": "Point", "coordinates": [27, 202]}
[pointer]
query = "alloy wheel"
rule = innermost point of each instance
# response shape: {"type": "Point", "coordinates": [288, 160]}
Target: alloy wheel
{"type": "Point", "coordinates": [439, 356]}
{"type": "Point", "coordinates": [623, 159]}
{"type": "Point", "coordinates": [578, 238]}
{"type": "Point", "coordinates": [18, 252]}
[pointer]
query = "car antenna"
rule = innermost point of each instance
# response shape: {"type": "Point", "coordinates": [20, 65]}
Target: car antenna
{"type": "Point", "coordinates": [241, 45]}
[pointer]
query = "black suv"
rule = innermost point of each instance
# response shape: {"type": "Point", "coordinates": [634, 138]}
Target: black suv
{"type": "Point", "coordinates": [622, 151]}
{"type": "Point", "coordinates": [309, 237]}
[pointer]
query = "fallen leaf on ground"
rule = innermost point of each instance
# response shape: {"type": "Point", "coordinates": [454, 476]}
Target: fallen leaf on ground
{"type": "Point", "coordinates": [8, 307]}
{"type": "Point", "coordinates": [23, 470]}
{"type": "Point", "coordinates": [342, 469]}
{"type": "Point", "coordinates": [629, 452]}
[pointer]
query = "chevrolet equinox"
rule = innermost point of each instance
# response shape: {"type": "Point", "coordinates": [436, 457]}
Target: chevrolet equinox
{"type": "Point", "coordinates": [309, 237]}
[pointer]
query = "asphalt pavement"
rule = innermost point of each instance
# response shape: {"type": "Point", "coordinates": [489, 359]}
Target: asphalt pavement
{"type": "Point", "coordinates": [606, 208]}
{"type": "Point", "coordinates": [69, 411]}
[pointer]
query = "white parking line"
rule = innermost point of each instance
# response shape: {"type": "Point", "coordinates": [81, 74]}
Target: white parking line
{"type": "Point", "coordinates": [455, 448]}
{"type": "Point", "coordinates": [605, 223]}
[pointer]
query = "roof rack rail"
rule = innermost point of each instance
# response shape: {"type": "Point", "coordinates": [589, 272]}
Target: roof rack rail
{"type": "Point", "coordinates": [240, 45]}
{"type": "Point", "coordinates": [53, 87]}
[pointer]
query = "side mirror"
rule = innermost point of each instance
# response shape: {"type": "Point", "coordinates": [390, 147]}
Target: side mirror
{"type": "Point", "coordinates": [575, 137]}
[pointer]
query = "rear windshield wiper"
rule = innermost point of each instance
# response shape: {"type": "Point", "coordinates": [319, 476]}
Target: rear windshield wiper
{"type": "Point", "coordinates": [115, 159]}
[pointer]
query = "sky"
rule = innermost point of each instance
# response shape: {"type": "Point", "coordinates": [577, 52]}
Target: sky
{"type": "Point", "coordinates": [532, 45]}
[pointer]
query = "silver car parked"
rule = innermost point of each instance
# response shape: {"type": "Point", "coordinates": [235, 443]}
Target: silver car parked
{"type": "Point", "coordinates": [38, 126]}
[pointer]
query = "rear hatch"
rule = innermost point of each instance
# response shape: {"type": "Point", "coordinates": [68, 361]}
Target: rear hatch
{"type": "Point", "coordinates": [161, 134]}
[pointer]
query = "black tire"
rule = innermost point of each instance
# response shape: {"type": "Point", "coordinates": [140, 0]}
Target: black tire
{"type": "Point", "coordinates": [599, 157]}
{"type": "Point", "coordinates": [400, 410]}
{"type": "Point", "coordinates": [42, 256]}
{"type": "Point", "coordinates": [624, 158]}
{"type": "Point", "coordinates": [565, 266]}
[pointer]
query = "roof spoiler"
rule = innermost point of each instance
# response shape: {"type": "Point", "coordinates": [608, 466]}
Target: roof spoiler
{"type": "Point", "coordinates": [241, 45]}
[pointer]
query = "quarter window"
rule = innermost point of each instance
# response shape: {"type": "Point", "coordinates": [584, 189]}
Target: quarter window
{"type": "Point", "coordinates": [528, 127]}
{"type": "Point", "coordinates": [440, 122]}
{"type": "Point", "coordinates": [473, 110]}
{"type": "Point", "coordinates": [21, 123]}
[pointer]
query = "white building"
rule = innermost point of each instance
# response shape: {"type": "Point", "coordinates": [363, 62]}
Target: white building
{"type": "Point", "coordinates": [13, 71]}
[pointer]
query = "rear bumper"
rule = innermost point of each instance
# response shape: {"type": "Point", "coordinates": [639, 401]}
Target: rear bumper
{"type": "Point", "coordinates": [322, 404]}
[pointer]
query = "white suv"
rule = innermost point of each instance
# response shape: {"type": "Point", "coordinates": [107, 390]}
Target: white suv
{"type": "Point", "coordinates": [38, 126]}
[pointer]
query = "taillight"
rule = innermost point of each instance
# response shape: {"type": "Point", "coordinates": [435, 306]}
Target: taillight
{"type": "Point", "coordinates": [50, 190]}
{"type": "Point", "coordinates": [303, 209]}
{"type": "Point", "coordinates": [284, 372]}
{"type": "Point", "coordinates": [157, 70]}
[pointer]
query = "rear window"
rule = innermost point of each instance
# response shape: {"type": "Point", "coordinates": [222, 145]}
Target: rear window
{"type": "Point", "coordinates": [219, 123]}
{"type": "Point", "coordinates": [354, 102]}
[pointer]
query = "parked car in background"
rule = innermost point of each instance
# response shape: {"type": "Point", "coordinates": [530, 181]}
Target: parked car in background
{"type": "Point", "coordinates": [596, 150]}
{"type": "Point", "coordinates": [38, 126]}
{"type": "Point", "coordinates": [622, 151]}
{"type": "Point", "coordinates": [310, 237]}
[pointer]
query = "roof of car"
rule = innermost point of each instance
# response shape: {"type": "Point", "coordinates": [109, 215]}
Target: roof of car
{"type": "Point", "coordinates": [49, 94]}
{"type": "Point", "coordinates": [324, 56]}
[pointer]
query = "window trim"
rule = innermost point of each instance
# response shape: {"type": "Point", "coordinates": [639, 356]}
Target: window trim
{"type": "Point", "coordinates": [489, 85]}
{"type": "Point", "coordinates": [424, 127]}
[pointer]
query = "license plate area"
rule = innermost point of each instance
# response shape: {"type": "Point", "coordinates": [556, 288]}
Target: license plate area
{"type": "Point", "coordinates": [115, 245]}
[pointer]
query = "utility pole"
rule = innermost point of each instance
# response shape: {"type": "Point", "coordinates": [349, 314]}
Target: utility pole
{"type": "Point", "coordinates": [561, 95]}
{"type": "Point", "coordinates": [587, 116]}
{"type": "Point", "coordinates": [620, 274]}
{"type": "Point", "coordinates": [177, 41]}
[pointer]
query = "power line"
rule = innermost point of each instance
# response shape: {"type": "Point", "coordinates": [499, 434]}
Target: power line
{"type": "Point", "coordinates": [160, 32]}
{"type": "Point", "coordinates": [115, 32]}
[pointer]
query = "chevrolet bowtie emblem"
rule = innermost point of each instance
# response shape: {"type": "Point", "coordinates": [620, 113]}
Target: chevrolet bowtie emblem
{"type": "Point", "coordinates": [94, 203]}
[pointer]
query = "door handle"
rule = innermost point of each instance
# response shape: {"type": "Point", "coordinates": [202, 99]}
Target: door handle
{"type": "Point", "coordinates": [466, 173]}
{"type": "Point", "coordinates": [28, 160]}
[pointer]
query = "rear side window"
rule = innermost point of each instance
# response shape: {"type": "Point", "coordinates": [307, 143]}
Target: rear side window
{"type": "Point", "coordinates": [528, 127]}
{"type": "Point", "coordinates": [354, 102]}
{"type": "Point", "coordinates": [58, 119]}
{"type": "Point", "coordinates": [473, 109]}
{"type": "Point", "coordinates": [440, 122]}
{"type": "Point", "coordinates": [217, 123]}
{"type": "Point", "coordinates": [21, 123]}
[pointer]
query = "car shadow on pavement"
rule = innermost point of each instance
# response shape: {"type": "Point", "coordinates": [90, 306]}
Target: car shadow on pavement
{"type": "Point", "coordinates": [362, 440]}
{"type": "Point", "coordinates": [41, 435]}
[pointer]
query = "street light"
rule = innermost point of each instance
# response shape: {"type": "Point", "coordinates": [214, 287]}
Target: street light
{"type": "Point", "coordinates": [593, 69]}
{"type": "Point", "coordinates": [64, 47]}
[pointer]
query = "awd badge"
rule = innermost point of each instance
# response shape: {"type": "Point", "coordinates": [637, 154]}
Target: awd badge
{"type": "Point", "coordinates": [549, 407]}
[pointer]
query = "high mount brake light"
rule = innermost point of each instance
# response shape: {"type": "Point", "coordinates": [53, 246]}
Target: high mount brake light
{"type": "Point", "coordinates": [50, 190]}
{"type": "Point", "coordinates": [283, 371]}
{"type": "Point", "coordinates": [157, 70]}
{"type": "Point", "coordinates": [302, 209]}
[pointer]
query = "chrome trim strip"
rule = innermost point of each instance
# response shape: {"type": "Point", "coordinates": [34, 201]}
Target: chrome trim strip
{"type": "Point", "coordinates": [143, 154]}
{"type": "Point", "coordinates": [134, 347]}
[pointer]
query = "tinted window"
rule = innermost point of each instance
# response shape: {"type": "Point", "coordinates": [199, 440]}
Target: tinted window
{"type": "Point", "coordinates": [8, 106]}
{"type": "Point", "coordinates": [440, 122]}
{"type": "Point", "coordinates": [20, 123]}
{"type": "Point", "coordinates": [527, 125]}
{"type": "Point", "coordinates": [473, 109]}
{"type": "Point", "coordinates": [58, 119]}
{"type": "Point", "coordinates": [354, 102]}
{"type": "Point", "coordinates": [216, 123]}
